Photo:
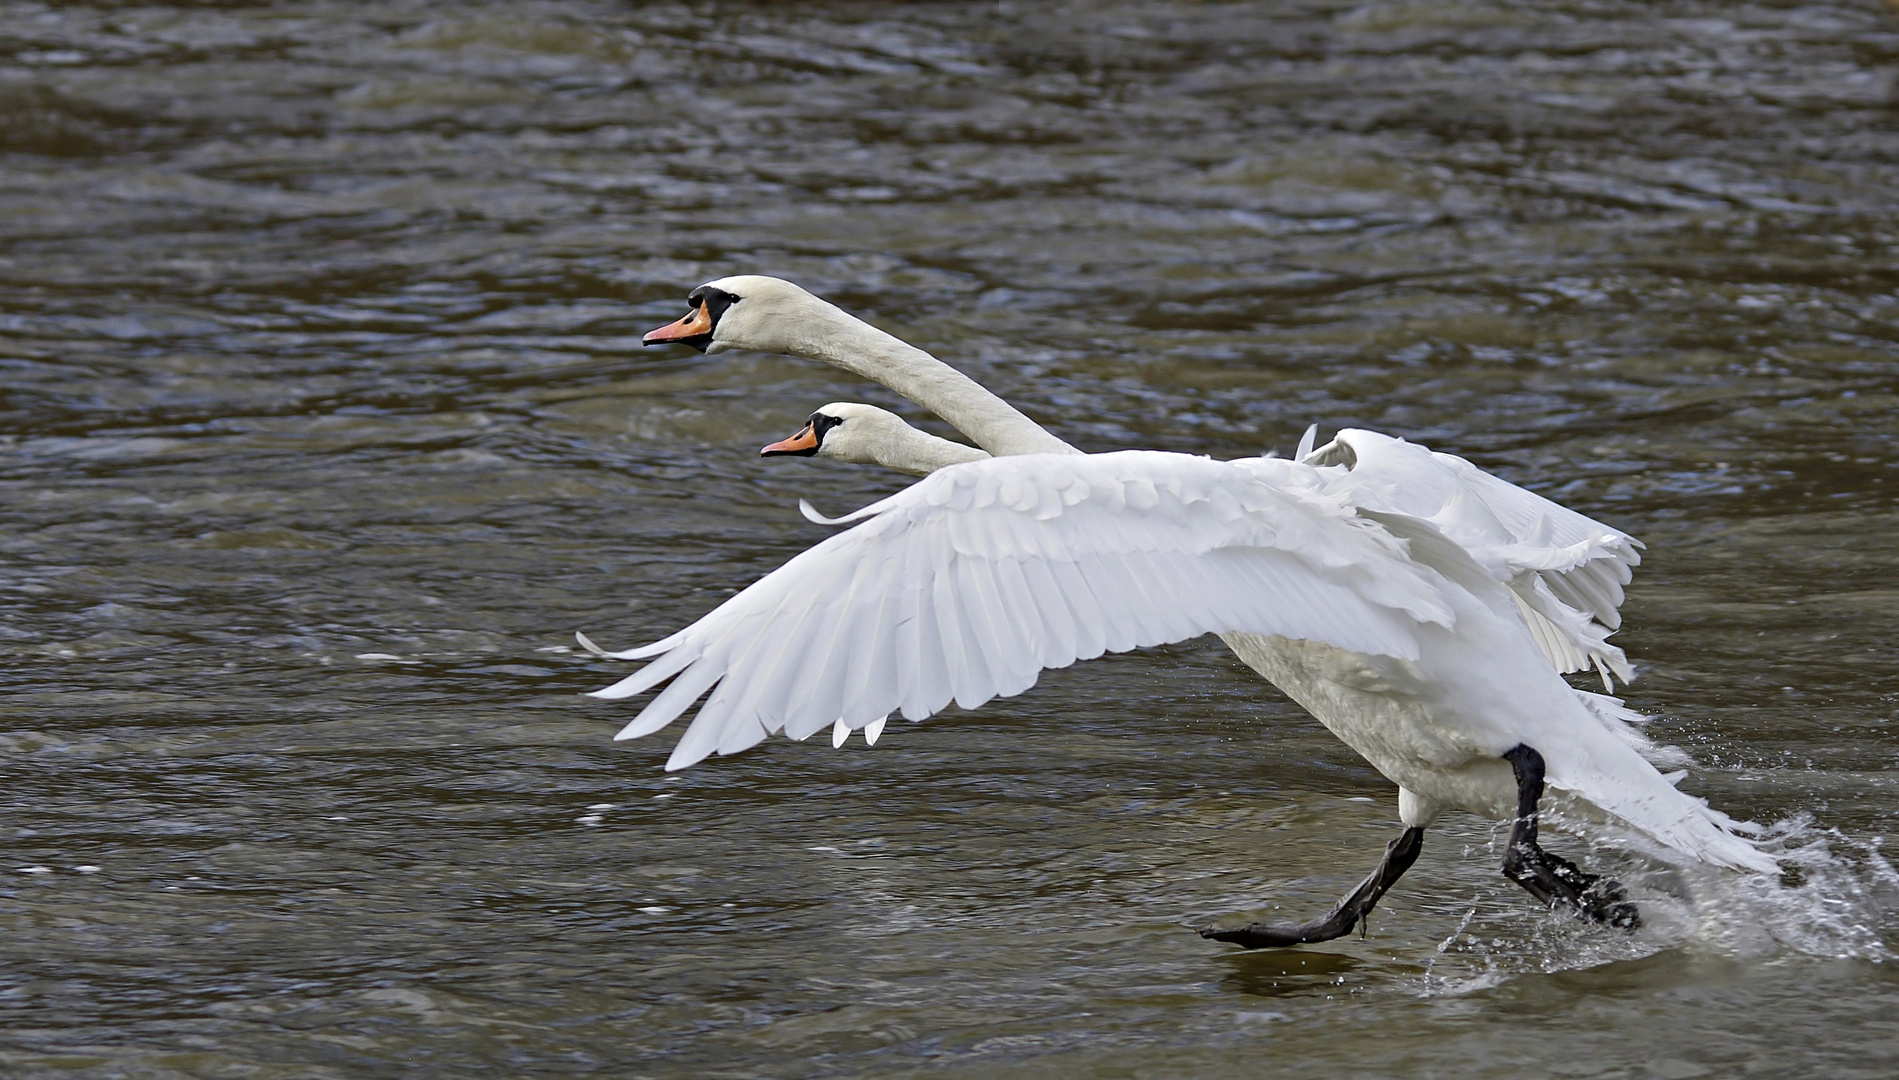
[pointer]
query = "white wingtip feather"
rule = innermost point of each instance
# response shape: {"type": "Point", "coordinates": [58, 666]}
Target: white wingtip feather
{"type": "Point", "coordinates": [811, 513]}
{"type": "Point", "coordinates": [874, 729]}
{"type": "Point", "coordinates": [839, 733]}
{"type": "Point", "coordinates": [639, 653]}
{"type": "Point", "coordinates": [1306, 442]}
{"type": "Point", "coordinates": [608, 694]}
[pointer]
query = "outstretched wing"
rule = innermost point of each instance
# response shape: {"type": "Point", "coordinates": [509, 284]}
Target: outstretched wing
{"type": "Point", "coordinates": [968, 584]}
{"type": "Point", "coordinates": [1566, 570]}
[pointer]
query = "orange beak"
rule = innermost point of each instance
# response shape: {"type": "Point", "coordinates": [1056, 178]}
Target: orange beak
{"type": "Point", "coordinates": [697, 323]}
{"type": "Point", "coordinates": [804, 443]}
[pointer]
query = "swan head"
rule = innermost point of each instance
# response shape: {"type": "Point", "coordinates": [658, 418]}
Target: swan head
{"type": "Point", "coordinates": [750, 311]}
{"type": "Point", "coordinates": [867, 435]}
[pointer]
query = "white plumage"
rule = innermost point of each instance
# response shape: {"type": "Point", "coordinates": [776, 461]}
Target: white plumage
{"type": "Point", "coordinates": [1565, 570]}
{"type": "Point", "coordinates": [968, 584]}
{"type": "Point", "coordinates": [1418, 607]}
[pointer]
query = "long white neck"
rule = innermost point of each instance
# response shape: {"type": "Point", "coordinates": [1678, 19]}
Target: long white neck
{"type": "Point", "coordinates": [897, 445]}
{"type": "Point", "coordinates": [834, 337]}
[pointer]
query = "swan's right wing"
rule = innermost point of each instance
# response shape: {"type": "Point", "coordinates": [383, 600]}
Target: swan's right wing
{"type": "Point", "coordinates": [1566, 570]}
{"type": "Point", "coordinates": [1585, 562]}
{"type": "Point", "coordinates": [968, 584]}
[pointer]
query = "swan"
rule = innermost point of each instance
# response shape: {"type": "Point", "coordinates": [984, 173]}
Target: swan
{"type": "Point", "coordinates": [967, 584]}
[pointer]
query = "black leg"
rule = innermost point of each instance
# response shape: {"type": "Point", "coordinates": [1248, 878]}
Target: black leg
{"type": "Point", "coordinates": [1357, 905]}
{"type": "Point", "coordinates": [1556, 881]}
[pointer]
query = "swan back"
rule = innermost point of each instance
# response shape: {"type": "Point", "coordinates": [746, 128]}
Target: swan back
{"type": "Point", "coordinates": [1565, 570]}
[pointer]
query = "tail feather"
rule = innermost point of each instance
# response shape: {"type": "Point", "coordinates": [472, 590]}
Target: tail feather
{"type": "Point", "coordinates": [1626, 724]}
{"type": "Point", "coordinates": [1617, 776]}
{"type": "Point", "coordinates": [1678, 823]}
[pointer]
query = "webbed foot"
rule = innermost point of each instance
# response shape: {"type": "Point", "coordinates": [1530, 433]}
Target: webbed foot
{"type": "Point", "coordinates": [1354, 909]}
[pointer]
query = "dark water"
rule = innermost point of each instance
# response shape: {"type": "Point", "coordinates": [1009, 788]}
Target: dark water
{"type": "Point", "coordinates": [323, 424]}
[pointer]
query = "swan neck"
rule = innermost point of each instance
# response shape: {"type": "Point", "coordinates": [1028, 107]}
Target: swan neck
{"type": "Point", "coordinates": [988, 421]}
{"type": "Point", "coordinates": [920, 453]}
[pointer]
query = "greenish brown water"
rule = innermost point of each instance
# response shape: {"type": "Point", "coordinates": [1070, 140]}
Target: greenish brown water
{"type": "Point", "coordinates": [323, 424]}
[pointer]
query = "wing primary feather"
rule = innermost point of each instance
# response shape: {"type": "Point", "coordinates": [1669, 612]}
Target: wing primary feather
{"type": "Point", "coordinates": [869, 684]}
{"type": "Point", "coordinates": [1018, 608]}
{"type": "Point", "coordinates": [1117, 633]}
{"type": "Point", "coordinates": [929, 689]}
{"type": "Point", "coordinates": [767, 663]}
{"type": "Point", "coordinates": [811, 513]}
{"type": "Point", "coordinates": [1001, 639]}
{"type": "Point", "coordinates": [674, 700]}
{"type": "Point", "coordinates": [816, 692]}
{"type": "Point", "coordinates": [586, 643]}
{"type": "Point", "coordinates": [649, 676]}
{"type": "Point", "coordinates": [949, 630]}
{"type": "Point", "coordinates": [1023, 613]}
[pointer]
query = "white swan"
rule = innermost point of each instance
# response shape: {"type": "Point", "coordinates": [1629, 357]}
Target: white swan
{"type": "Point", "coordinates": [967, 584]}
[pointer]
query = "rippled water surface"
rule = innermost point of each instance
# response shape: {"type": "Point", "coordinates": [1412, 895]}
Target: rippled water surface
{"type": "Point", "coordinates": [324, 424]}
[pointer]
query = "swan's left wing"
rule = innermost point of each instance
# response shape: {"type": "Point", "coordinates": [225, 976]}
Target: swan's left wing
{"type": "Point", "coordinates": [968, 584]}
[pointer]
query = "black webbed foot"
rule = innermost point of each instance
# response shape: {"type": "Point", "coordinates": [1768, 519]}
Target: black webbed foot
{"type": "Point", "coordinates": [1354, 909]}
{"type": "Point", "coordinates": [1552, 879]}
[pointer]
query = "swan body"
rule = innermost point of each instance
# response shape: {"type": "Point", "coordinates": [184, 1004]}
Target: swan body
{"type": "Point", "coordinates": [966, 585]}
{"type": "Point", "coordinates": [1401, 616]}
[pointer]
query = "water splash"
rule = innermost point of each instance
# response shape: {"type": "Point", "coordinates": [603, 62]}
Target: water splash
{"type": "Point", "coordinates": [1834, 894]}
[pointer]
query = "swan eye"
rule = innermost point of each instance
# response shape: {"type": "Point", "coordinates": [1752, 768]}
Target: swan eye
{"type": "Point", "coordinates": [822, 423]}
{"type": "Point", "coordinates": [715, 301]}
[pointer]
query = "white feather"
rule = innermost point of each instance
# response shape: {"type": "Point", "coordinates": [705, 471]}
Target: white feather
{"type": "Point", "coordinates": [1206, 553]}
{"type": "Point", "coordinates": [1566, 570]}
{"type": "Point", "coordinates": [965, 586]}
